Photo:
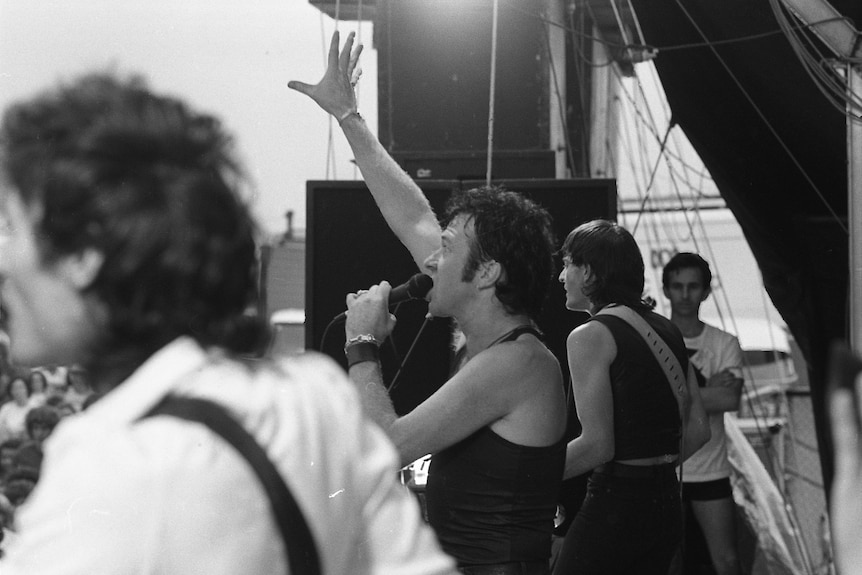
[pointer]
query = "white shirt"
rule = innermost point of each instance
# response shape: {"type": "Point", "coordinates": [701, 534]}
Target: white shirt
{"type": "Point", "coordinates": [716, 350]}
{"type": "Point", "coordinates": [165, 495]}
{"type": "Point", "coordinates": [13, 420]}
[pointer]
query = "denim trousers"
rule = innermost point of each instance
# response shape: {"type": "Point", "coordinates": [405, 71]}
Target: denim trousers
{"type": "Point", "coordinates": [630, 522]}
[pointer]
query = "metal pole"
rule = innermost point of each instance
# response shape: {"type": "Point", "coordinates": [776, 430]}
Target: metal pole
{"type": "Point", "coordinates": [491, 96]}
{"type": "Point", "coordinates": [854, 205]}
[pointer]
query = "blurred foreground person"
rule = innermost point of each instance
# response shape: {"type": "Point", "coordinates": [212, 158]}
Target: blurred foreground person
{"type": "Point", "coordinates": [845, 503]}
{"type": "Point", "coordinates": [131, 254]}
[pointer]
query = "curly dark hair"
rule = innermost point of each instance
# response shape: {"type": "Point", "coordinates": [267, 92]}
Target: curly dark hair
{"type": "Point", "coordinates": [152, 186]}
{"type": "Point", "coordinates": [615, 260]}
{"type": "Point", "coordinates": [515, 232]}
{"type": "Point", "coordinates": [44, 416]}
{"type": "Point", "coordinates": [685, 260]}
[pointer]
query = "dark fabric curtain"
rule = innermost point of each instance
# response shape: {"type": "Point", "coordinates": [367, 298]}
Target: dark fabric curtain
{"type": "Point", "coordinates": [777, 151]}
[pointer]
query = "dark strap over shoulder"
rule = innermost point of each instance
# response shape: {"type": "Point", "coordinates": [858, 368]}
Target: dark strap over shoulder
{"type": "Point", "coordinates": [302, 557]}
{"type": "Point", "coordinates": [461, 352]}
{"type": "Point", "coordinates": [676, 377]}
{"type": "Point", "coordinates": [521, 330]}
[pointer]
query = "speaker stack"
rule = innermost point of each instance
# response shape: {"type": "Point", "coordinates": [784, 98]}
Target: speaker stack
{"type": "Point", "coordinates": [434, 76]}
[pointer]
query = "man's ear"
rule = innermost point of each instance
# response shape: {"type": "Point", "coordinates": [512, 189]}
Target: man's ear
{"type": "Point", "coordinates": [489, 273]}
{"type": "Point", "coordinates": [589, 277]}
{"type": "Point", "coordinates": [81, 268]}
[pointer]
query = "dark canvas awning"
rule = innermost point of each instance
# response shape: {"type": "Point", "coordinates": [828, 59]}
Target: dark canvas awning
{"type": "Point", "coordinates": [776, 149]}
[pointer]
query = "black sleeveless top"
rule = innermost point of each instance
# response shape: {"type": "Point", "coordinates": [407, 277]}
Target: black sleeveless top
{"type": "Point", "coordinates": [493, 501]}
{"type": "Point", "coordinates": [646, 415]}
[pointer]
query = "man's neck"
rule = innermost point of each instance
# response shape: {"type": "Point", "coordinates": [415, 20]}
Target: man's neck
{"type": "Point", "coordinates": [480, 332]}
{"type": "Point", "coordinates": [690, 326]}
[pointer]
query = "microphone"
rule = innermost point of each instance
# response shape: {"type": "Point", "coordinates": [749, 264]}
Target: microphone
{"type": "Point", "coordinates": [417, 287]}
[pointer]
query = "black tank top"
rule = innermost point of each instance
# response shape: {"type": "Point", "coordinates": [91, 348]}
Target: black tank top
{"type": "Point", "coordinates": [493, 501]}
{"type": "Point", "coordinates": [646, 415]}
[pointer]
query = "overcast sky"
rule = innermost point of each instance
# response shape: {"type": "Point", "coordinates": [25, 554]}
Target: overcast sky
{"type": "Point", "coordinates": [232, 58]}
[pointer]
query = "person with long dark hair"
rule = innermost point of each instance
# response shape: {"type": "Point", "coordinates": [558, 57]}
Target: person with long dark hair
{"type": "Point", "coordinates": [632, 422]}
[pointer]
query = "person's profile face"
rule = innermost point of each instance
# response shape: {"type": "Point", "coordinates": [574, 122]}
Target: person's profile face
{"type": "Point", "coordinates": [446, 268]}
{"type": "Point", "coordinates": [18, 390]}
{"type": "Point", "coordinates": [45, 310]}
{"type": "Point", "coordinates": [37, 382]}
{"type": "Point", "coordinates": [574, 277]}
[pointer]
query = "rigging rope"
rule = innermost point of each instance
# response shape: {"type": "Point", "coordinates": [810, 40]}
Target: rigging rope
{"type": "Point", "coordinates": [819, 68]}
{"type": "Point", "coordinates": [766, 121]}
{"type": "Point", "coordinates": [650, 123]}
{"type": "Point", "coordinates": [330, 149]}
{"type": "Point", "coordinates": [356, 88]}
{"type": "Point", "coordinates": [560, 103]}
{"type": "Point", "coordinates": [491, 90]}
{"type": "Point", "coordinates": [665, 152]}
{"type": "Point", "coordinates": [582, 112]}
{"type": "Point", "coordinates": [652, 175]}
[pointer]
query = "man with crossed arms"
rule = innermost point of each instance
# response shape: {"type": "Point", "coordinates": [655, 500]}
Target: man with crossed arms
{"type": "Point", "coordinates": [707, 492]}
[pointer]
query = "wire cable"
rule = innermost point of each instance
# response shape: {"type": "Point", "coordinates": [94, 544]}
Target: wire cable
{"type": "Point", "coordinates": [692, 236]}
{"type": "Point", "coordinates": [395, 379]}
{"type": "Point", "coordinates": [688, 46]}
{"type": "Point", "coordinates": [817, 66]}
{"type": "Point", "coordinates": [652, 174]}
{"type": "Point", "coordinates": [330, 149]}
{"type": "Point", "coordinates": [582, 97]}
{"type": "Point", "coordinates": [402, 362]}
{"type": "Point", "coordinates": [358, 88]}
{"type": "Point", "coordinates": [560, 101]}
{"type": "Point", "coordinates": [766, 122]}
{"type": "Point", "coordinates": [649, 123]}
{"type": "Point", "coordinates": [492, 88]}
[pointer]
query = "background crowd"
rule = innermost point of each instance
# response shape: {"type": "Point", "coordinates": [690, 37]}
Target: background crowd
{"type": "Point", "coordinates": [32, 403]}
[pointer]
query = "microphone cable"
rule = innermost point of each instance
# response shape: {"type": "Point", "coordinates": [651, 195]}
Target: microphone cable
{"type": "Point", "coordinates": [332, 322]}
{"type": "Point", "coordinates": [428, 318]}
{"type": "Point", "coordinates": [403, 362]}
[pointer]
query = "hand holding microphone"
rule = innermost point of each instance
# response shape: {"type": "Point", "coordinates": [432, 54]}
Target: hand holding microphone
{"type": "Point", "coordinates": [368, 310]}
{"type": "Point", "coordinates": [368, 313]}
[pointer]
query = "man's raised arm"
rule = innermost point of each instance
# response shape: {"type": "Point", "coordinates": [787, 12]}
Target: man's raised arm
{"type": "Point", "coordinates": [402, 203]}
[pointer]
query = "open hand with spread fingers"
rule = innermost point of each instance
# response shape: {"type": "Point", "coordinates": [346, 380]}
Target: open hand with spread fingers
{"type": "Point", "coordinates": [335, 91]}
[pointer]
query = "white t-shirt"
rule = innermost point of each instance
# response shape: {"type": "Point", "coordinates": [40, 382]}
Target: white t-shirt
{"type": "Point", "coordinates": [714, 351]}
{"type": "Point", "coordinates": [167, 496]}
{"type": "Point", "coordinates": [13, 420]}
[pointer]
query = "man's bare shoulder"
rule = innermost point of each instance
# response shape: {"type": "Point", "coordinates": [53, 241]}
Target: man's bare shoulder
{"type": "Point", "coordinates": [591, 341]}
{"type": "Point", "coordinates": [591, 331]}
{"type": "Point", "coordinates": [520, 362]}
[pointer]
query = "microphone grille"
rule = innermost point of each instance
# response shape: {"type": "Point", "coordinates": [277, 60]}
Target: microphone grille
{"type": "Point", "coordinates": [420, 285]}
